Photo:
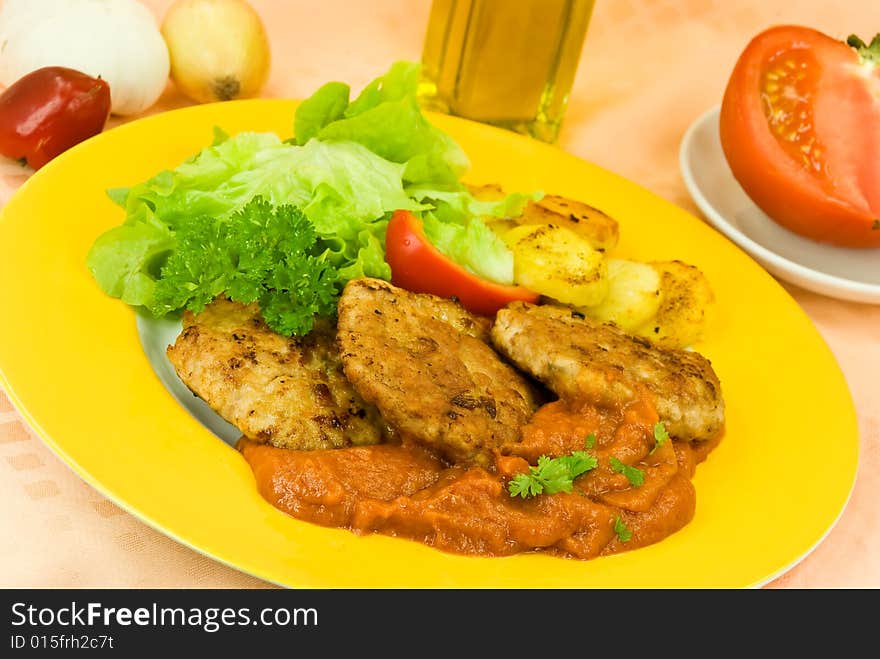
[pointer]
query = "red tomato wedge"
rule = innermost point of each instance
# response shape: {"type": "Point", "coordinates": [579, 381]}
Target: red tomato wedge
{"type": "Point", "coordinates": [418, 266]}
{"type": "Point", "coordinates": [800, 128]}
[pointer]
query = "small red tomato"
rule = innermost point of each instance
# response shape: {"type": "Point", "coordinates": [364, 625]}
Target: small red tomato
{"type": "Point", "coordinates": [418, 266]}
{"type": "Point", "coordinates": [48, 111]}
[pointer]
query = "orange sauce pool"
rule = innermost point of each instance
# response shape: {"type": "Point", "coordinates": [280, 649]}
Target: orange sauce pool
{"type": "Point", "coordinates": [405, 491]}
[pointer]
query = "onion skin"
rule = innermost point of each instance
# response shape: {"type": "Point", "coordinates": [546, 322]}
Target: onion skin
{"type": "Point", "coordinates": [219, 49]}
{"type": "Point", "coordinates": [115, 40]}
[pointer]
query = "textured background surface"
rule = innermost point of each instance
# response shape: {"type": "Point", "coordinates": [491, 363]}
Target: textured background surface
{"type": "Point", "coordinates": [648, 69]}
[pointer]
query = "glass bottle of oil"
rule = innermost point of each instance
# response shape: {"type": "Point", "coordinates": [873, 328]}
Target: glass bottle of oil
{"type": "Point", "coordinates": [510, 63]}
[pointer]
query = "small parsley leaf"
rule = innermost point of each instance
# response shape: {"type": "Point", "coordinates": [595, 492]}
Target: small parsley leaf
{"type": "Point", "coordinates": [590, 441]}
{"type": "Point", "coordinates": [524, 485]}
{"type": "Point", "coordinates": [623, 533]}
{"type": "Point", "coordinates": [635, 475]}
{"type": "Point", "coordinates": [552, 475]}
{"type": "Point", "coordinates": [660, 435]}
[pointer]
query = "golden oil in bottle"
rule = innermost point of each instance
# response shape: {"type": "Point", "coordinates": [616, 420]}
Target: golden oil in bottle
{"type": "Point", "coordinates": [510, 63]}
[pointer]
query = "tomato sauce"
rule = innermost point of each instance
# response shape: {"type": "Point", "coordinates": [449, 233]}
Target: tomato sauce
{"type": "Point", "coordinates": [404, 490]}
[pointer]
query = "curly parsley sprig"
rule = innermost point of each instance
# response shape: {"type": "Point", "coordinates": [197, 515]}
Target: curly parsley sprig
{"type": "Point", "coordinates": [552, 475]}
{"type": "Point", "coordinates": [262, 253]}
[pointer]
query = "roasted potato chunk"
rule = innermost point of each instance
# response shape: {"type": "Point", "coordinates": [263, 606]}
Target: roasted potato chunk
{"type": "Point", "coordinates": [685, 301]}
{"type": "Point", "coordinates": [666, 302]}
{"type": "Point", "coordinates": [559, 244]}
{"type": "Point", "coordinates": [633, 297]}
{"type": "Point", "coordinates": [591, 224]}
{"type": "Point", "coordinates": [557, 263]}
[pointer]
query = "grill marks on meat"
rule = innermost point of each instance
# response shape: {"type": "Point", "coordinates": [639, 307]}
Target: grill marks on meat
{"type": "Point", "coordinates": [581, 358]}
{"type": "Point", "coordinates": [423, 361]}
{"type": "Point", "coordinates": [288, 392]}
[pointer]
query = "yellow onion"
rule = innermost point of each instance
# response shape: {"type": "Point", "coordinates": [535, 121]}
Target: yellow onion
{"type": "Point", "coordinates": [218, 48]}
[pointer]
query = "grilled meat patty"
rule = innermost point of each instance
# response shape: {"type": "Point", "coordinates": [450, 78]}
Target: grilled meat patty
{"type": "Point", "coordinates": [288, 392]}
{"type": "Point", "coordinates": [578, 357]}
{"type": "Point", "coordinates": [423, 361]}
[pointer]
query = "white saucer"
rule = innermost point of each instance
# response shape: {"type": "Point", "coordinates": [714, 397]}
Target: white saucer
{"type": "Point", "coordinates": [849, 274]}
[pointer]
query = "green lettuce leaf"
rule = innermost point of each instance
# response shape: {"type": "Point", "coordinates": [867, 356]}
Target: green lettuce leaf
{"type": "Point", "coordinates": [325, 106]}
{"type": "Point", "coordinates": [386, 118]}
{"type": "Point", "coordinates": [346, 191]}
{"type": "Point", "coordinates": [472, 245]}
{"type": "Point", "coordinates": [125, 261]}
{"type": "Point", "coordinates": [455, 226]}
{"type": "Point", "coordinates": [349, 166]}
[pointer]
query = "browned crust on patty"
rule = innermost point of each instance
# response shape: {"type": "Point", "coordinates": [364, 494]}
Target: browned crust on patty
{"type": "Point", "coordinates": [288, 392]}
{"type": "Point", "coordinates": [422, 361]}
{"type": "Point", "coordinates": [578, 357]}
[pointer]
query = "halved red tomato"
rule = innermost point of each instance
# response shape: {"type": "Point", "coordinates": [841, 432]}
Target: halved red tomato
{"type": "Point", "coordinates": [800, 128]}
{"type": "Point", "coordinates": [418, 266]}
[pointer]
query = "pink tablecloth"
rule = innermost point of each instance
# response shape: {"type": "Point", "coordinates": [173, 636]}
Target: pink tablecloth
{"type": "Point", "coordinates": [647, 71]}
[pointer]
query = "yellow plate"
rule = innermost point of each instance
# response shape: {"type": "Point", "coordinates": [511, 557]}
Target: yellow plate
{"type": "Point", "coordinates": [71, 360]}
